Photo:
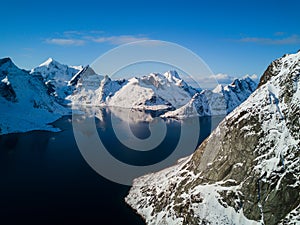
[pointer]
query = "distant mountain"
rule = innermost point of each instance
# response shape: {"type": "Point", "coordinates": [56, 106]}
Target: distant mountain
{"type": "Point", "coordinates": [159, 92]}
{"type": "Point", "coordinates": [162, 92]}
{"type": "Point", "coordinates": [154, 92]}
{"type": "Point", "coordinates": [53, 83]}
{"type": "Point", "coordinates": [246, 172]}
{"type": "Point", "coordinates": [82, 74]}
{"type": "Point", "coordinates": [236, 92]}
{"type": "Point", "coordinates": [91, 88]}
{"type": "Point", "coordinates": [83, 86]}
{"type": "Point", "coordinates": [25, 101]}
{"type": "Point", "coordinates": [56, 77]}
{"type": "Point", "coordinates": [220, 101]}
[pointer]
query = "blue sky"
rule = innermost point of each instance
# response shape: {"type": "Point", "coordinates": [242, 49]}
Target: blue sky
{"type": "Point", "coordinates": [232, 37]}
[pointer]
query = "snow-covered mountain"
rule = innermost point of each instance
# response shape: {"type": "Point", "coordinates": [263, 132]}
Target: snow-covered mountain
{"type": "Point", "coordinates": [25, 101]}
{"type": "Point", "coordinates": [56, 77]}
{"type": "Point", "coordinates": [246, 172]}
{"type": "Point", "coordinates": [160, 92]}
{"type": "Point", "coordinates": [155, 91]}
{"type": "Point", "coordinates": [219, 101]}
{"type": "Point", "coordinates": [236, 92]}
{"type": "Point", "coordinates": [82, 86]}
{"type": "Point", "coordinates": [93, 89]}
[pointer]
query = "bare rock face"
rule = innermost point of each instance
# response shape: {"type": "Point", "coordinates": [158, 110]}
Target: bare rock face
{"type": "Point", "coordinates": [6, 89]}
{"type": "Point", "coordinates": [246, 172]}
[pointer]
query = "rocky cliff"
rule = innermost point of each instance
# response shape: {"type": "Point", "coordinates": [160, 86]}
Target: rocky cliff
{"type": "Point", "coordinates": [246, 172]}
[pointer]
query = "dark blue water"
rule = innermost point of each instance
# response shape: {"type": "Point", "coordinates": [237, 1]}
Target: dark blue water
{"type": "Point", "coordinates": [45, 180]}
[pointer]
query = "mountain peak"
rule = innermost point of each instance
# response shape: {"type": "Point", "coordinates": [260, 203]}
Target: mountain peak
{"type": "Point", "coordinates": [172, 73]}
{"type": "Point", "coordinates": [235, 82]}
{"type": "Point", "coordinates": [5, 60]}
{"type": "Point", "coordinates": [85, 71]}
{"type": "Point", "coordinates": [218, 89]}
{"type": "Point", "coordinates": [6, 63]}
{"type": "Point", "coordinates": [246, 78]}
{"type": "Point", "coordinates": [48, 62]}
{"type": "Point", "coordinates": [286, 62]}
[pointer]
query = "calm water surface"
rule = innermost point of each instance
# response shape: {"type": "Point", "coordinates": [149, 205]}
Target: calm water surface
{"type": "Point", "coordinates": [45, 180]}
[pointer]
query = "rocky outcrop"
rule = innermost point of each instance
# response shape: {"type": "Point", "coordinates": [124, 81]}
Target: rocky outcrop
{"type": "Point", "coordinates": [246, 172]}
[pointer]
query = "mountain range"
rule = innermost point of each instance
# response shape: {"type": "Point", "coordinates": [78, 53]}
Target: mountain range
{"type": "Point", "coordinates": [162, 92]}
{"type": "Point", "coordinates": [31, 100]}
{"type": "Point", "coordinates": [246, 172]}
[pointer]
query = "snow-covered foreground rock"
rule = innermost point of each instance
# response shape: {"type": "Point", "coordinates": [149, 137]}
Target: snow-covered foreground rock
{"type": "Point", "coordinates": [25, 102]}
{"type": "Point", "coordinates": [246, 172]}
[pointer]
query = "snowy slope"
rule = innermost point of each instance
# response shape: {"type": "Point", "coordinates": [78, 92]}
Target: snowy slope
{"type": "Point", "coordinates": [56, 77]}
{"type": "Point", "coordinates": [246, 172]}
{"type": "Point", "coordinates": [93, 89]}
{"type": "Point", "coordinates": [154, 91]}
{"type": "Point", "coordinates": [220, 101]}
{"type": "Point", "coordinates": [24, 100]}
{"type": "Point", "coordinates": [197, 106]}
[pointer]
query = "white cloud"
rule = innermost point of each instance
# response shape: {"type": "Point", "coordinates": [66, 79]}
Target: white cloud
{"type": "Point", "coordinates": [65, 41]}
{"type": "Point", "coordinates": [117, 40]}
{"type": "Point", "coordinates": [77, 38]}
{"type": "Point", "coordinates": [72, 32]}
{"type": "Point", "coordinates": [279, 33]}
{"type": "Point", "coordinates": [253, 76]}
{"type": "Point", "coordinates": [212, 81]}
{"type": "Point", "coordinates": [222, 78]}
{"type": "Point", "coordinates": [293, 39]}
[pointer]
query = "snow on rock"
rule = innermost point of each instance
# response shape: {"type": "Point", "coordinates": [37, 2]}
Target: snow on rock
{"type": "Point", "coordinates": [156, 199]}
{"type": "Point", "coordinates": [154, 92]}
{"type": "Point", "coordinates": [93, 89]}
{"type": "Point", "coordinates": [173, 77]}
{"type": "Point", "coordinates": [246, 172]}
{"type": "Point", "coordinates": [85, 72]}
{"type": "Point", "coordinates": [25, 102]}
{"type": "Point", "coordinates": [220, 101]}
{"type": "Point", "coordinates": [141, 93]}
{"type": "Point", "coordinates": [159, 92]}
{"type": "Point", "coordinates": [197, 106]}
{"type": "Point", "coordinates": [236, 92]}
{"type": "Point", "coordinates": [56, 77]}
